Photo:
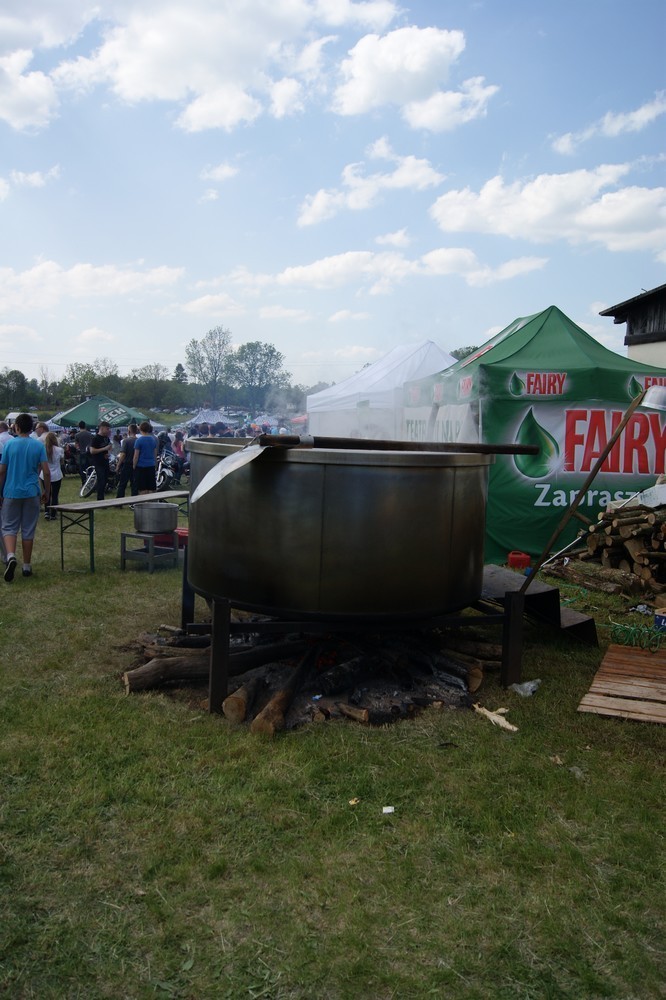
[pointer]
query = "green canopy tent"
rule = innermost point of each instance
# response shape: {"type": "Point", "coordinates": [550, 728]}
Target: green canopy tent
{"type": "Point", "coordinates": [99, 408]}
{"type": "Point", "coordinates": [543, 381]}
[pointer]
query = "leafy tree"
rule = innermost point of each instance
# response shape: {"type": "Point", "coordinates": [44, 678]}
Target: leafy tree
{"type": "Point", "coordinates": [80, 379]}
{"type": "Point", "coordinates": [148, 385]}
{"type": "Point", "coordinates": [151, 373]}
{"type": "Point", "coordinates": [179, 374]}
{"type": "Point", "coordinates": [463, 352]}
{"type": "Point", "coordinates": [13, 388]}
{"type": "Point", "coordinates": [206, 359]}
{"type": "Point", "coordinates": [89, 379]}
{"type": "Point", "coordinates": [256, 369]}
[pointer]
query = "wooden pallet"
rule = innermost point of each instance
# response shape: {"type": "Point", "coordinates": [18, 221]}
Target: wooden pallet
{"type": "Point", "coordinates": [631, 684]}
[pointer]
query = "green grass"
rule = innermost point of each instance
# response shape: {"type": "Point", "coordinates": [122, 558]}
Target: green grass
{"type": "Point", "coordinates": [148, 849]}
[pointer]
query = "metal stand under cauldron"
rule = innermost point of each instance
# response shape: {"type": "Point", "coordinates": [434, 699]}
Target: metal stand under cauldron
{"type": "Point", "coordinates": [221, 628]}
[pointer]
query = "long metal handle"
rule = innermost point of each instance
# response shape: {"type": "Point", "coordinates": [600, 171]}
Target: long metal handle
{"type": "Point", "coordinates": [362, 444]}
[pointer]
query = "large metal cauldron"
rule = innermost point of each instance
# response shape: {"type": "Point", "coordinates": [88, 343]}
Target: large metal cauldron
{"type": "Point", "coordinates": [331, 532]}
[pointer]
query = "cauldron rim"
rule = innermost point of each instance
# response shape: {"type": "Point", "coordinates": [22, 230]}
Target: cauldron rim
{"type": "Point", "coordinates": [348, 456]}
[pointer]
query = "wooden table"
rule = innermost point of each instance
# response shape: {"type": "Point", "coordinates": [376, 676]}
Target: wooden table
{"type": "Point", "coordinates": [82, 516]}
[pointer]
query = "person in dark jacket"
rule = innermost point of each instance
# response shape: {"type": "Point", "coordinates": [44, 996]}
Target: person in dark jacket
{"type": "Point", "coordinates": [99, 452]}
{"type": "Point", "coordinates": [126, 462]}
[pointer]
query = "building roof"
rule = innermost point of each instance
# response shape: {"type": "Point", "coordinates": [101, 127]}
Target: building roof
{"type": "Point", "coordinates": [622, 308]}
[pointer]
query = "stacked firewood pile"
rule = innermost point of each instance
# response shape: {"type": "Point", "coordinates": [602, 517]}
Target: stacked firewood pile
{"type": "Point", "coordinates": [372, 678]}
{"type": "Point", "coordinates": [629, 544]}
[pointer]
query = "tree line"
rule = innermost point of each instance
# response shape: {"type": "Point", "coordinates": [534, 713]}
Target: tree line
{"type": "Point", "coordinates": [250, 377]}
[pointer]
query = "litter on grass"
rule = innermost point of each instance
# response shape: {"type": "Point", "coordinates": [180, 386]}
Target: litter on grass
{"type": "Point", "coordinates": [527, 688]}
{"type": "Point", "coordinates": [496, 717]}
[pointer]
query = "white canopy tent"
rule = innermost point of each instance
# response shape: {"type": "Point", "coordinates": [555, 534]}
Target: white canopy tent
{"type": "Point", "coordinates": [370, 404]}
{"type": "Point", "coordinates": [208, 417]}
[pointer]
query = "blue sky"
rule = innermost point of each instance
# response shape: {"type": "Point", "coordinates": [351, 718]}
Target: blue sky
{"type": "Point", "coordinates": [332, 177]}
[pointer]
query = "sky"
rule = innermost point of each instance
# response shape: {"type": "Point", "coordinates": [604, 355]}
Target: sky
{"type": "Point", "coordinates": [332, 177]}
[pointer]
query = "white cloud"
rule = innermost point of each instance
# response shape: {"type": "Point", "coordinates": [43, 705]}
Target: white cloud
{"type": "Point", "coordinates": [350, 352]}
{"type": "Point", "coordinates": [378, 273]}
{"type": "Point", "coordinates": [400, 238]}
{"type": "Point", "coordinates": [463, 262]}
{"type": "Point", "coordinates": [446, 110]}
{"type": "Point", "coordinates": [222, 172]}
{"type": "Point", "coordinates": [217, 306]}
{"type": "Point", "coordinates": [36, 179]}
{"type": "Point", "coordinates": [360, 190]}
{"type": "Point", "coordinates": [613, 124]}
{"type": "Point", "coordinates": [45, 25]}
{"type": "Point", "coordinates": [13, 333]}
{"type": "Point", "coordinates": [286, 97]}
{"type": "Point", "coordinates": [570, 206]}
{"type": "Point", "coordinates": [376, 14]}
{"type": "Point", "coordinates": [94, 335]}
{"type": "Point", "coordinates": [47, 283]}
{"type": "Point", "coordinates": [4, 189]}
{"type": "Point", "coordinates": [225, 107]}
{"type": "Point", "coordinates": [28, 101]}
{"type": "Point", "coordinates": [282, 312]}
{"type": "Point", "coordinates": [210, 194]}
{"type": "Point", "coordinates": [407, 64]}
{"type": "Point", "coordinates": [346, 316]}
{"type": "Point", "coordinates": [362, 267]}
{"type": "Point", "coordinates": [225, 64]}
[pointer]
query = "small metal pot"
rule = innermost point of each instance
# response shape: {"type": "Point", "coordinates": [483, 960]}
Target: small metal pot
{"type": "Point", "coordinates": [155, 518]}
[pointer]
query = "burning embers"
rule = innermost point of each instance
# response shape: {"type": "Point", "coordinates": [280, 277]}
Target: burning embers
{"type": "Point", "coordinates": [373, 678]}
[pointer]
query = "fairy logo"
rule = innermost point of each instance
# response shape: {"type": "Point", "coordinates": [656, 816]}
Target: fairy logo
{"type": "Point", "coordinates": [465, 386]}
{"type": "Point", "coordinates": [544, 463]}
{"type": "Point", "coordinates": [538, 384]}
{"type": "Point", "coordinates": [640, 450]}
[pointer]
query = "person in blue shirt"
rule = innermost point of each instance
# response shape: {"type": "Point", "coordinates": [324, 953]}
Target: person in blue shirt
{"type": "Point", "coordinates": [23, 458]}
{"type": "Point", "coordinates": [145, 459]}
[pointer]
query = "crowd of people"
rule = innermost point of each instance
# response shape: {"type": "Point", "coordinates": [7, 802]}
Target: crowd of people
{"type": "Point", "coordinates": [34, 460]}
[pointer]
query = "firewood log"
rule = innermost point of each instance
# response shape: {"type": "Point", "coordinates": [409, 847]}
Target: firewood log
{"type": "Point", "coordinates": [635, 531]}
{"type": "Point", "coordinates": [481, 650]}
{"type": "Point", "coordinates": [271, 718]}
{"type": "Point", "coordinates": [631, 511]}
{"type": "Point", "coordinates": [342, 676]}
{"type": "Point", "coordinates": [152, 652]}
{"type": "Point", "coordinates": [165, 668]}
{"type": "Point", "coordinates": [352, 712]}
{"type": "Point", "coordinates": [589, 581]}
{"type": "Point", "coordinates": [640, 519]}
{"type": "Point", "coordinates": [237, 705]}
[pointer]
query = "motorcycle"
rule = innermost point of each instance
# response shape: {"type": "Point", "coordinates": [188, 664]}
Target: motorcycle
{"type": "Point", "coordinates": [71, 460]}
{"type": "Point", "coordinates": [166, 473]}
{"type": "Point", "coordinates": [90, 482]}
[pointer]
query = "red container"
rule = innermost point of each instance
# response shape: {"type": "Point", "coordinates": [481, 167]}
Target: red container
{"type": "Point", "coordinates": [167, 539]}
{"type": "Point", "coordinates": [518, 560]}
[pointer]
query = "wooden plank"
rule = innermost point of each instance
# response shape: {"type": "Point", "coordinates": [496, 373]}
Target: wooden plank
{"type": "Point", "coordinates": [629, 689]}
{"type": "Point", "coordinates": [623, 713]}
{"type": "Point", "coordinates": [650, 675]}
{"type": "Point", "coordinates": [631, 684]}
{"type": "Point", "coordinates": [648, 711]}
